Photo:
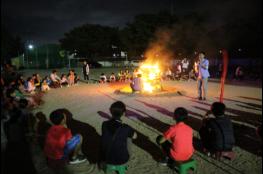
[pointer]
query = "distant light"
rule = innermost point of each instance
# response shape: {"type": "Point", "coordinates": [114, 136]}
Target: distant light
{"type": "Point", "coordinates": [30, 46]}
{"type": "Point", "coordinates": [239, 49]}
{"type": "Point", "coordinates": [220, 51]}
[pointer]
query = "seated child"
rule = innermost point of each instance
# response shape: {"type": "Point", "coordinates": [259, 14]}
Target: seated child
{"type": "Point", "coordinates": [112, 77]}
{"type": "Point", "coordinates": [137, 84]}
{"type": "Point", "coordinates": [48, 80]}
{"type": "Point", "coordinates": [217, 132]}
{"type": "Point", "coordinates": [127, 75]}
{"type": "Point", "coordinates": [30, 85]}
{"type": "Point", "coordinates": [121, 76]}
{"type": "Point", "coordinates": [77, 78]}
{"type": "Point", "coordinates": [60, 142]}
{"type": "Point", "coordinates": [37, 80]}
{"type": "Point", "coordinates": [55, 80]}
{"type": "Point", "coordinates": [103, 78]}
{"type": "Point", "coordinates": [44, 86]}
{"type": "Point", "coordinates": [116, 152]}
{"type": "Point", "coordinates": [177, 141]}
{"type": "Point", "coordinates": [64, 80]}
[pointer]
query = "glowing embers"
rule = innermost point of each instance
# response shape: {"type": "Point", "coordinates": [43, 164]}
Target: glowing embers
{"type": "Point", "coordinates": [151, 77]}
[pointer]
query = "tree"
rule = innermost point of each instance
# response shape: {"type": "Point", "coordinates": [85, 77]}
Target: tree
{"type": "Point", "coordinates": [11, 46]}
{"type": "Point", "coordinates": [91, 40]}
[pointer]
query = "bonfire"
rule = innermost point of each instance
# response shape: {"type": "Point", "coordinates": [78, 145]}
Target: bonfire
{"type": "Point", "coordinates": [151, 77]}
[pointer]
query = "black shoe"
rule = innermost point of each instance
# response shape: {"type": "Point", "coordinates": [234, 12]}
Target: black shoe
{"type": "Point", "coordinates": [200, 98]}
{"type": "Point", "coordinates": [204, 98]}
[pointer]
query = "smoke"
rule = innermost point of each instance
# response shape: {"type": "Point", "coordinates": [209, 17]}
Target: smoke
{"type": "Point", "coordinates": [159, 50]}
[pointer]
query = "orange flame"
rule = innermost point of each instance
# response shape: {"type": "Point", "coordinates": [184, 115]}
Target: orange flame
{"type": "Point", "coordinates": [151, 77]}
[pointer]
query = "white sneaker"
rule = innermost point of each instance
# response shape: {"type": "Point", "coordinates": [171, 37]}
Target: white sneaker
{"type": "Point", "coordinates": [79, 159]}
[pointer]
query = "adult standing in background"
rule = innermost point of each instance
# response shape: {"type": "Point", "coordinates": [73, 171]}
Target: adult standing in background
{"type": "Point", "coordinates": [203, 75]}
{"type": "Point", "coordinates": [85, 70]}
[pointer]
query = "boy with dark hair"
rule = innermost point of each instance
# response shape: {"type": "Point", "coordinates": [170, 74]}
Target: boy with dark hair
{"type": "Point", "coordinates": [60, 142]}
{"type": "Point", "coordinates": [177, 141]}
{"type": "Point", "coordinates": [217, 133]}
{"type": "Point", "coordinates": [115, 135]}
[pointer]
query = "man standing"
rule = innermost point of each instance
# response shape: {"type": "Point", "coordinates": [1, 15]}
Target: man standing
{"type": "Point", "coordinates": [85, 70]}
{"type": "Point", "coordinates": [203, 75]}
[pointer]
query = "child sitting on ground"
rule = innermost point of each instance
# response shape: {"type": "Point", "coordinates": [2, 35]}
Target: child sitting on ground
{"type": "Point", "coordinates": [37, 80]}
{"type": "Point", "coordinates": [44, 86]}
{"type": "Point", "coordinates": [77, 78]}
{"type": "Point", "coordinates": [121, 76]}
{"type": "Point", "coordinates": [103, 78]}
{"type": "Point", "coordinates": [64, 80]}
{"type": "Point", "coordinates": [30, 85]}
{"type": "Point", "coordinates": [127, 75]}
{"type": "Point", "coordinates": [55, 80]}
{"type": "Point", "coordinates": [60, 142]}
{"type": "Point", "coordinates": [112, 77]}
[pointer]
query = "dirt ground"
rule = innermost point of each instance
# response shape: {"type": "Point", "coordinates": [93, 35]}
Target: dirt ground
{"type": "Point", "coordinates": [150, 115]}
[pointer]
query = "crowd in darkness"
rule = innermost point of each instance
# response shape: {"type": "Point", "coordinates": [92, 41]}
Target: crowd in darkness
{"type": "Point", "coordinates": [19, 127]}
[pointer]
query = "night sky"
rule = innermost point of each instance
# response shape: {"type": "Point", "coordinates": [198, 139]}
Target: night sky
{"type": "Point", "coordinates": [45, 21]}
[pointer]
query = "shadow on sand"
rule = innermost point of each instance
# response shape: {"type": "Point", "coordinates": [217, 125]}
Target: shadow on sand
{"type": "Point", "coordinates": [91, 139]}
{"type": "Point", "coordinates": [245, 136]}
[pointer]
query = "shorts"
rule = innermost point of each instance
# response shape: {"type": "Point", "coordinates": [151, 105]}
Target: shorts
{"type": "Point", "coordinates": [71, 145]}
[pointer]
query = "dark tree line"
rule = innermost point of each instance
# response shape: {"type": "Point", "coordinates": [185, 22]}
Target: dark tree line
{"type": "Point", "coordinates": [189, 33]}
{"type": "Point", "coordinates": [11, 46]}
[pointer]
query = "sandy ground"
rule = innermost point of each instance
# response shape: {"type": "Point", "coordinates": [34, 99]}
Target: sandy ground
{"type": "Point", "coordinates": [150, 115]}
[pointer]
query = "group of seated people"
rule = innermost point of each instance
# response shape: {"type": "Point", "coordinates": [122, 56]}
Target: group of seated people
{"type": "Point", "coordinates": [122, 76]}
{"type": "Point", "coordinates": [104, 79]}
{"type": "Point", "coordinates": [65, 80]}
{"type": "Point", "coordinates": [59, 144]}
{"type": "Point", "coordinates": [178, 74]}
{"type": "Point", "coordinates": [176, 143]}
{"type": "Point", "coordinates": [13, 87]}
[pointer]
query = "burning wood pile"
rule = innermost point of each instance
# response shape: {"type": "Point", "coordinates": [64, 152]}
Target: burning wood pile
{"type": "Point", "coordinates": [151, 77]}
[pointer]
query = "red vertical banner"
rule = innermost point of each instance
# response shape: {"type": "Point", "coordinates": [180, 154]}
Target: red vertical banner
{"type": "Point", "coordinates": [223, 76]}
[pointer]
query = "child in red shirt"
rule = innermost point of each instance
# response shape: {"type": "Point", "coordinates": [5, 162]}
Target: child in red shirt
{"type": "Point", "coordinates": [60, 142]}
{"type": "Point", "coordinates": [177, 141]}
